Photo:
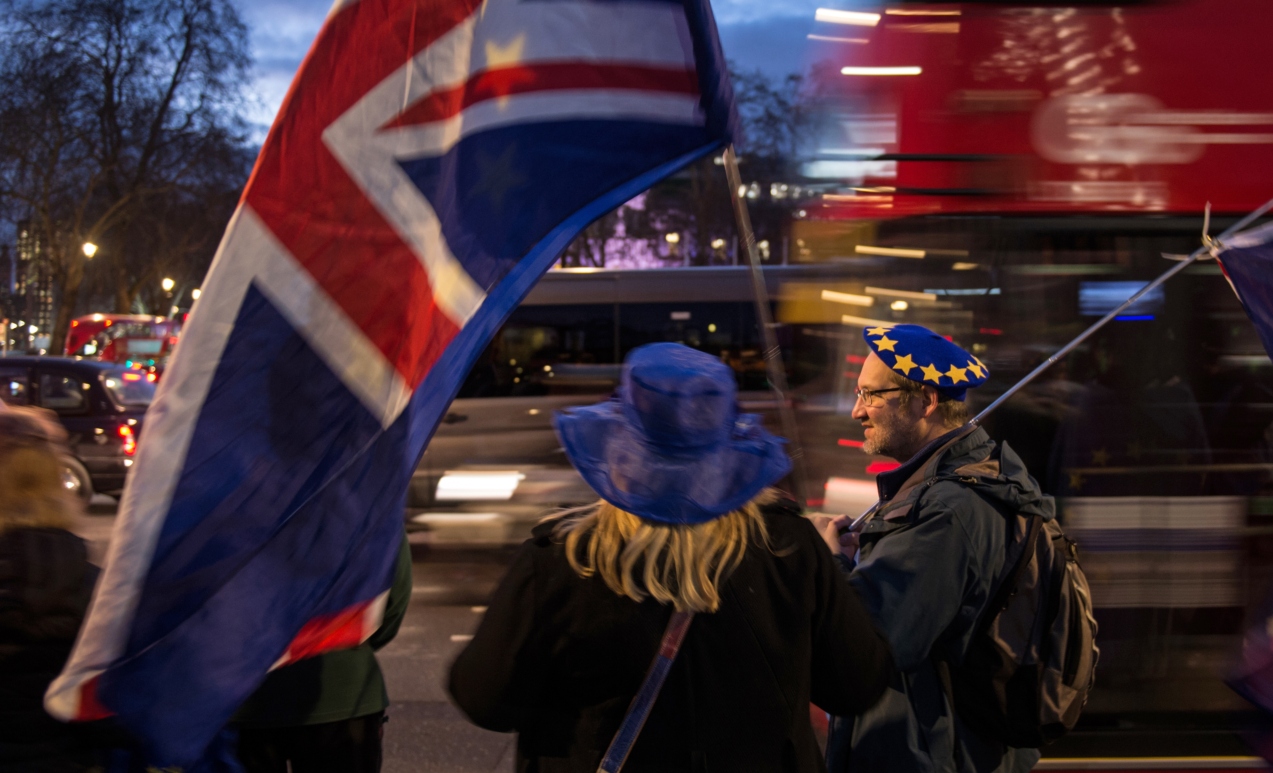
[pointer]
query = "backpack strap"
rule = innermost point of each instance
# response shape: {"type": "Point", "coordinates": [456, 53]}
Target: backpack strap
{"type": "Point", "coordinates": [1009, 585]}
{"type": "Point", "coordinates": [643, 701]}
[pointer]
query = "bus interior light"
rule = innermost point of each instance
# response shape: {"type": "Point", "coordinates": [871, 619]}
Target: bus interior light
{"type": "Point", "coordinates": [909, 70]}
{"type": "Point", "coordinates": [855, 18]}
{"type": "Point", "coordinates": [902, 294]}
{"type": "Point", "coordinates": [965, 291]}
{"type": "Point", "coordinates": [920, 12]}
{"type": "Point", "coordinates": [899, 305]}
{"type": "Point", "coordinates": [849, 319]}
{"type": "Point", "coordinates": [888, 252]}
{"type": "Point", "coordinates": [833, 39]}
{"type": "Point", "coordinates": [849, 298]}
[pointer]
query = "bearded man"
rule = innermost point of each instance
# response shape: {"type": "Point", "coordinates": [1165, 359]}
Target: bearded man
{"type": "Point", "coordinates": [930, 557]}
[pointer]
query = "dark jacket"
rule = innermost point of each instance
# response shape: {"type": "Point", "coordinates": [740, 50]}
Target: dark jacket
{"type": "Point", "coordinates": [337, 685]}
{"type": "Point", "coordinates": [927, 564]}
{"type": "Point", "coordinates": [45, 585]}
{"type": "Point", "coordinates": [558, 658]}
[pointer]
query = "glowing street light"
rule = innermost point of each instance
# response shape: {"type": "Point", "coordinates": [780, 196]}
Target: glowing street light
{"type": "Point", "coordinates": [168, 284]}
{"type": "Point", "coordinates": [195, 293]}
{"type": "Point", "coordinates": [90, 250]}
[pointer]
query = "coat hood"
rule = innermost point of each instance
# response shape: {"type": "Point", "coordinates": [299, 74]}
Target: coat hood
{"type": "Point", "coordinates": [993, 469]}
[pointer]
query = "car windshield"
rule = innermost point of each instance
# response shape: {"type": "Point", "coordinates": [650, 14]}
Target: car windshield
{"type": "Point", "coordinates": [128, 388]}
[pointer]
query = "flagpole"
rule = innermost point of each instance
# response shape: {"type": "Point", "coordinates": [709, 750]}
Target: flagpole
{"type": "Point", "coordinates": [773, 355]}
{"type": "Point", "coordinates": [1209, 246]}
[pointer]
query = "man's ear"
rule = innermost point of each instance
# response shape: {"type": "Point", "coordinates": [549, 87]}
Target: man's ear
{"type": "Point", "coordinates": [931, 399]}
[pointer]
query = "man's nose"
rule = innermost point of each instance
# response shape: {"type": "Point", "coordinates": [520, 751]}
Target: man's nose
{"type": "Point", "coordinates": [859, 409]}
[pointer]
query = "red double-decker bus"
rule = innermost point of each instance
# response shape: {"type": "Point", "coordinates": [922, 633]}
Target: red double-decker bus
{"type": "Point", "coordinates": [135, 340]}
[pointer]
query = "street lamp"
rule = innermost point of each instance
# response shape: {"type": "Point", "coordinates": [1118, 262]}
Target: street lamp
{"type": "Point", "coordinates": [168, 284]}
{"type": "Point", "coordinates": [90, 250]}
{"type": "Point", "coordinates": [195, 293]}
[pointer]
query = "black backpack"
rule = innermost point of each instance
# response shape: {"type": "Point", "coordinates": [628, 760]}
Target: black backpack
{"type": "Point", "coordinates": [1031, 663]}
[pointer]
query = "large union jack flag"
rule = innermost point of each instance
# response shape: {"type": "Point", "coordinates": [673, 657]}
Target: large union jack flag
{"type": "Point", "coordinates": [431, 160]}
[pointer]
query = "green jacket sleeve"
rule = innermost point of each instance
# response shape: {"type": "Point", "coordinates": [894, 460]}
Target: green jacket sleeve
{"type": "Point", "coordinates": [399, 598]}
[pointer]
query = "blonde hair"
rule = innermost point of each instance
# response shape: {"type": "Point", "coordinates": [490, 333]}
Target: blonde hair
{"type": "Point", "coordinates": [31, 491]}
{"type": "Point", "coordinates": [679, 565]}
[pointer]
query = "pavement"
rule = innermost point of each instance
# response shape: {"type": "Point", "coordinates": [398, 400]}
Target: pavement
{"type": "Point", "coordinates": [451, 584]}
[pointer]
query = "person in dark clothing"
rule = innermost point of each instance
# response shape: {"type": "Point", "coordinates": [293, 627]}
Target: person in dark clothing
{"type": "Point", "coordinates": [931, 554]}
{"type": "Point", "coordinates": [687, 522]}
{"type": "Point", "coordinates": [45, 585]}
{"type": "Point", "coordinates": [325, 713]}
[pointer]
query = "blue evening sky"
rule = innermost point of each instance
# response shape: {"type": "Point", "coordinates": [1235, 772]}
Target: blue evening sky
{"type": "Point", "coordinates": [757, 34]}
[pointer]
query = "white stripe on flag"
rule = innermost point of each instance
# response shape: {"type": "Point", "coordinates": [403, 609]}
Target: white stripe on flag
{"type": "Point", "coordinates": [148, 494]}
{"type": "Point", "coordinates": [341, 344]}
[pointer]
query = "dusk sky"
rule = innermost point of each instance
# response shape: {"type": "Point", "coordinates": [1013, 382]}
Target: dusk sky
{"type": "Point", "coordinates": [756, 34]}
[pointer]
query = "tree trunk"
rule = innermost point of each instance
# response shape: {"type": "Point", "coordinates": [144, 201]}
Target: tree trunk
{"type": "Point", "coordinates": [70, 299]}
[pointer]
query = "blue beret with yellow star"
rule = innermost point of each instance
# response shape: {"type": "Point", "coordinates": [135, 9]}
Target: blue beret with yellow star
{"type": "Point", "coordinates": [922, 356]}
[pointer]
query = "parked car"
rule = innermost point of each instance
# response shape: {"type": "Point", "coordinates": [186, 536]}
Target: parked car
{"type": "Point", "coordinates": [101, 404]}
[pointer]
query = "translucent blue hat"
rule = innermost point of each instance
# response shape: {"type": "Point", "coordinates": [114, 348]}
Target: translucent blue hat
{"type": "Point", "coordinates": [921, 355]}
{"type": "Point", "coordinates": [672, 447]}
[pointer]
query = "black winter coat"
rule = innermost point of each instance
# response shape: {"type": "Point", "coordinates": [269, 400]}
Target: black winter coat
{"type": "Point", "coordinates": [45, 585]}
{"type": "Point", "coordinates": [558, 658]}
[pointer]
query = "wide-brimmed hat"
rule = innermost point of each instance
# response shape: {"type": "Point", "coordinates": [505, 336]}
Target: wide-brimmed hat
{"type": "Point", "coordinates": [672, 447]}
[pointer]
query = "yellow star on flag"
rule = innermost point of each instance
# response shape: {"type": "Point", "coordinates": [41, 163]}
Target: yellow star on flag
{"type": "Point", "coordinates": [877, 331]}
{"type": "Point", "coordinates": [977, 370]}
{"type": "Point", "coordinates": [886, 344]}
{"type": "Point", "coordinates": [957, 374]}
{"type": "Point", "coordinates": [931, 374]}
{"type": "Point", "coordinates": [904, 363]}
{"type": "Point", "coordinates": [1100, 456]}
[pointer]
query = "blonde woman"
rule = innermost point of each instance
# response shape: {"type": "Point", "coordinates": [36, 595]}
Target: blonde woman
{"type": "Point", "coordinates": [687, 521]}
{"type": "Point", "coordinates": [45, 584]}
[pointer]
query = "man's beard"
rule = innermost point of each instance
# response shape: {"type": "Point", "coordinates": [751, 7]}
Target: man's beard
{"type": "Point", "coordinates": [891, 438]}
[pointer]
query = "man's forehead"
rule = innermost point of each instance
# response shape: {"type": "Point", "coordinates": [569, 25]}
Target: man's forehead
{"type": "Point", "coordinates": [875, 374]}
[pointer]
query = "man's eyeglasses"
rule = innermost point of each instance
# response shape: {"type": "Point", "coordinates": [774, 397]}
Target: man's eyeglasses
{"type": "Point", "coordinates": [871, 397]}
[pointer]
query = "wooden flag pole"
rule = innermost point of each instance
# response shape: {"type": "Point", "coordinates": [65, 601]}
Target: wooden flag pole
{"type": "Point", "coordinates": [773, 355]}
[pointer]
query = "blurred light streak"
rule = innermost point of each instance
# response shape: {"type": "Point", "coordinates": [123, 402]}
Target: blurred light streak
{"type": "Point", "coordinates": [875, 468]}
{"type": "Point", "coordinates": [856, 18]}
{"type": "Point", "coordinates": [965, 291]}
{"type": "Point", "coordinates": [940, 28]}
{"type": "Point", "coordinates": [920, 12]}
{"type": "Point", "coordinates": [902, 293]}
{"type": "Point", "coordinates": [830, 39]}
{"type": "Point", "coordinates": [851, 443]}
{"type": "Point", "coordinates": [850, 298]}
{"type": "Point", "coordinates": [907, 70]}
{"type": "Point", "coordinates": [888, 252]}
{"type": "Point", "coordinates": [849, 319]}
{"type": "Point", "coordinates": [478, 485]}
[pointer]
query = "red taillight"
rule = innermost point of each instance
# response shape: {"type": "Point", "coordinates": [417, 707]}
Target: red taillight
{"type": "Point", "coordinates": [129, 439]}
